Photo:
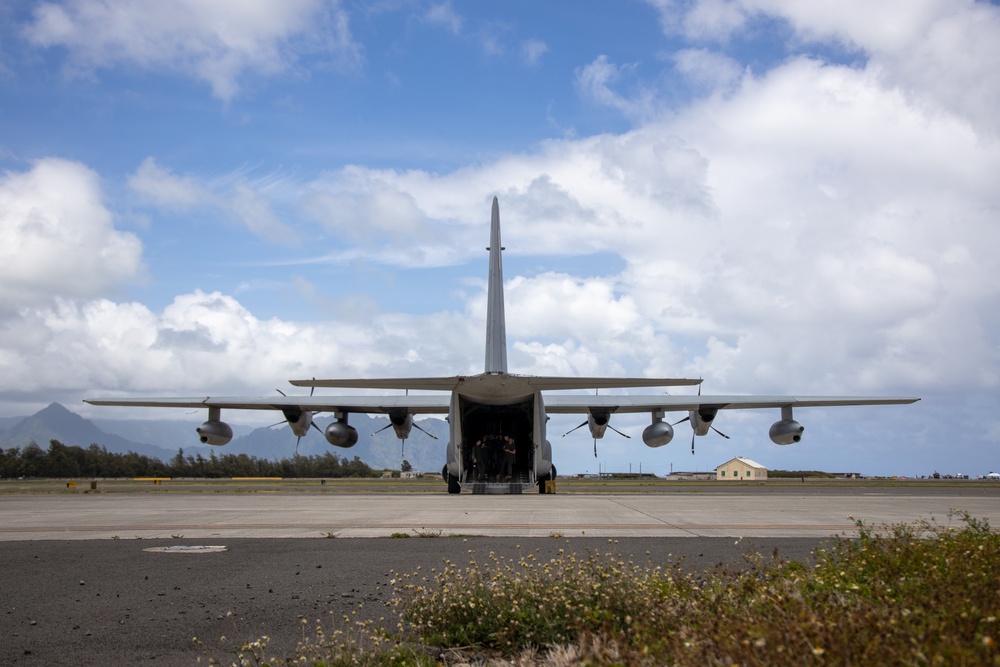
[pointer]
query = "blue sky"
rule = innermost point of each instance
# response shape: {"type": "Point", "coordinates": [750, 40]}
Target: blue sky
{"type": "Point", "coordinates": [778, 196]}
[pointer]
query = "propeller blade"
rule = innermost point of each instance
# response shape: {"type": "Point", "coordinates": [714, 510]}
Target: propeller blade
{"type": "Point", "coordinates": [381, 429]}
{"type": "Point", "coordinates": [297, 441]}
{"type": "Point", "coordinates": [283, 421]}
{"type": "Point", "coordinates": [313, 424]}
{"type": "Point", "coordinates": [282, 393]}
{"type": "Point", "coordinates": [417, 426]}
{"type": "Point", "coordinates": [573, 429]}
{"type": "Point", "coordinates": [619, 432]}
{"type": "Point", "coordinates": [682, 421]}
{"type": "Point", "coordinates": [693, 432]}
{"type": "Point", "coordinates": [720, 433]}
{"type": "Point", "coordinates": [595, 447]}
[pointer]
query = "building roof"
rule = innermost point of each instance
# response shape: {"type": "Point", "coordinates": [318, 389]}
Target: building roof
{"type": "Point", "coordinates": [745, 461]}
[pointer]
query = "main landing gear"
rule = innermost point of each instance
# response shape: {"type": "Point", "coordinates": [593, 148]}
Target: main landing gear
{"type": "Point", "coordinates": [453, 485]}
{"type": "Point", "coordinates": [550, 477]}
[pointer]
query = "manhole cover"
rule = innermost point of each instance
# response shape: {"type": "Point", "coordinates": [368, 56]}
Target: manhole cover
{"type": "Point", "coordinates": [186, 549]}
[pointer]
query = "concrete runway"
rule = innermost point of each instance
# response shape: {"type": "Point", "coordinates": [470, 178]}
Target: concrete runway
{"type": "Point", "coordinates": [73, 595]}
{"type": "Point", "coordinates": [759, 511]}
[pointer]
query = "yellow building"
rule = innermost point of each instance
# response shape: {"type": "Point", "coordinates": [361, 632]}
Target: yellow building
{"type": "Point", "coordinates": [741, 468]}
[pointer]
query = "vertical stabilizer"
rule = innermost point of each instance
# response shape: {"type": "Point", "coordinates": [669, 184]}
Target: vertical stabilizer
{"type": "Point", "coordinates": [496, 329]}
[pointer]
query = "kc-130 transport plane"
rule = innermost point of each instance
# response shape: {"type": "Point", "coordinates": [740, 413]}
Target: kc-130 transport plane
{"type": "Point", "coordinates": [497, 419]}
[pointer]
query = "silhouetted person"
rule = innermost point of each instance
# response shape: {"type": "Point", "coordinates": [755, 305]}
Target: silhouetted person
{"type": "Point", "coordinates": [509, 451]}
{"type": "Point", "coordinates": [479, 462]}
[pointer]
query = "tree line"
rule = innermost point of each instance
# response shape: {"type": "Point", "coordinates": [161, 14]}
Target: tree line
{"type": "Point", "coordinates": [96, 461]}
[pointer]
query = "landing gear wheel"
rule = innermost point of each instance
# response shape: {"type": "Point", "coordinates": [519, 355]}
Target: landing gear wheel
{"type": "Point", "coordinates": [546, 478]}
{"type": "Point", "coordinates": [453, 485]}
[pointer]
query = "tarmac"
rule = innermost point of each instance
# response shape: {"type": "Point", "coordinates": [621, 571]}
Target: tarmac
{"type": "Point", "coordinates": [702, 511]}
{"type": "Point", "coordinates": [87, 580]}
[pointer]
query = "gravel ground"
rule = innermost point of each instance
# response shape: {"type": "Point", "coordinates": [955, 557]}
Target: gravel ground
{"type": "Point", "coordinates": [110, 602]}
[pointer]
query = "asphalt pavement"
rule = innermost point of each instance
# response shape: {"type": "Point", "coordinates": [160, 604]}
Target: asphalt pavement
{"type": "Point", "coordinates": [84, 584]}
{"type": "Point", "coordinates": [112, 602]}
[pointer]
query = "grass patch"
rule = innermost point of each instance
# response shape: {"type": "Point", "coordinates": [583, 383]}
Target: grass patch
{"type": "Point", "coordinates": [423, 532]}
{"type": "Point", "coordinates": [918, 594]}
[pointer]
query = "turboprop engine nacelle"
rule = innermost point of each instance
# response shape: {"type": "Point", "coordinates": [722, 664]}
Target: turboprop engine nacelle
{"type": "Point", "coordinates": [215, 432]}
{"type": "Point", "coordinates": [299, 421]}
{"type": "Point", "coordinates": [786, 432]}
{"type": "Point", "coordinates": [597, 422]}
{"type": "Point", "coordinates": [402, 424]}
{"type": "Point", "coordinates": [701, 419]}
{"type": "Point", "coordinates": [658, 433]}
{"type": "Point", "coordinates": [341, 434]}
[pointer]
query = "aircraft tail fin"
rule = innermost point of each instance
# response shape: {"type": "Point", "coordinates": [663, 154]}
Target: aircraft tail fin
{"type": "Point", "coordinates": [496, 329]}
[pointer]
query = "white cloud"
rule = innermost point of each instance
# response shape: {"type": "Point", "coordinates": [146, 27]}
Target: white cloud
{"type": "Point", "coordinates": [254, 211]}
{"type": "Point", "coordinates": [599, 79]}
{"type": "Point", "coordinates": [708, 69]}
{"type": "Point", "coordinates": [162, 188]}
{"type": "Point", "coordinates": [57, 238]}
{"type": "Point", "coordinates": [217, 42]}
{"type": "Point", "coordinates": [443, 14]}
{"type": "Point", "coordinates": [532, 51]}
{"type": "Point", "coordinates": [243, 200]}
{"type": "Point", "coordinates": [942, 52]}
{"type": "Point", "coordinates": [207, 342]}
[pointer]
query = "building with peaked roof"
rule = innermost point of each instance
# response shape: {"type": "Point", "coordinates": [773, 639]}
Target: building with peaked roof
{"type": "Point", "coordinates": [741, 469]}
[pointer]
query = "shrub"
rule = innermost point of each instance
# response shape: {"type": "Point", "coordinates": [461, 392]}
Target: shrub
{"type": "Point", "coordinates": [904, 595]}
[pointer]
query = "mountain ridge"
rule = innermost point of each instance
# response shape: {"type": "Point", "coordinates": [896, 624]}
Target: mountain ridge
{"type": "Point", "coordinates": [162, 438]}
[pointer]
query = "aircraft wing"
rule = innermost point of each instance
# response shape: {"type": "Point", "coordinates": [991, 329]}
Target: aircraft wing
{"type": "Point", "coordinates": [421, 404]}
{"type": "Point", "coordinates": [580, 403]}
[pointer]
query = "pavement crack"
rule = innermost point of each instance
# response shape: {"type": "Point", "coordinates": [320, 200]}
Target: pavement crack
{"type": "Point", "coordinates": [655, 519]}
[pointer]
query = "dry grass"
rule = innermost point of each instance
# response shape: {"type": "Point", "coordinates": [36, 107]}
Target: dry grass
{"type": "Point", "coordinates": [904, 595]}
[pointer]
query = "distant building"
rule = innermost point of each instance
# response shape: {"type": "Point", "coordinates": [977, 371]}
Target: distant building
{"type": "Point", "coordinates": [691, 476]}
{"type": "Point", "coordinates": [741, 468]}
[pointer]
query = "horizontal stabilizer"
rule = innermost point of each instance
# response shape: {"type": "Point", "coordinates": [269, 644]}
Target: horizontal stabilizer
{"type": "Point", "coordinates": [539, 382]}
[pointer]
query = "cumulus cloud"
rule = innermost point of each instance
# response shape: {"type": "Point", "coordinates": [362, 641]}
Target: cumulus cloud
{"type": "Point", "coordinates": [942, 52]}
{"type": "Point", "coordinates": [209, 343]}
{"type": "Point", "coordinates": [57, 239]}
{"type": "Point", "coordinates": [217, 42]}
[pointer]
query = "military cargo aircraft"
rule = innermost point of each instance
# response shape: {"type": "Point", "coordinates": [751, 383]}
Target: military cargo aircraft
{"type": "Point", "coordinates": [497, 419]}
